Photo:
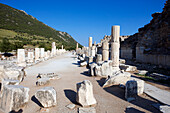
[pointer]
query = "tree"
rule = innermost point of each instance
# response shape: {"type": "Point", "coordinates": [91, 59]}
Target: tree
{"type": "Point", "coordinates": [5, 45]}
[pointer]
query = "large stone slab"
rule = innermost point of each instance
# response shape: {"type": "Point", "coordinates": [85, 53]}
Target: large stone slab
{"type": "Point", "coordinates": [157, 93]}
{"type": "Point", "coordinates": [85, 93]}
{"type": "Point", "coordinates": [117, 78]}
{"type": "Point", "coordinates": [134, 88]}
{"type": "Point", "coordinates": [14, 97]}
{"type": "Point", "coordinates": [49, 75]}
{"type": "Point", "coordinates": [47, 96]}
{"type": "Point", "coordinates": [127, 67]}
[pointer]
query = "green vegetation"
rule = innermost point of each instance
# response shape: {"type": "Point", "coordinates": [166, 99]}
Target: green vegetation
{"type": "Point", "coordinates": [155, 80]}
{"type": "Point", "coordinates": [23, 30]}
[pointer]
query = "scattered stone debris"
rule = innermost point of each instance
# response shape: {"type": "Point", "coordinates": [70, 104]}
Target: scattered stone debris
{"type": "Point", "coordinates": [158, 76]}
{"type": "Point", "coordinates": [42, 81]}
{"type": "Point", "coordinates": [133, 89]}
{"type": "Point", "coordinates": [47, 96]}
{"type": "Point", "coordinates": [142, 72]}
{"type": "Point", "coordinates": [85, 95]}
{"type": "Point", "coordinates": [87, 110]}
{"type": "Point", "coordinates": [119, 77]}
{"type": "Point", "coordinates": [71, 106]}
{"type": "Point", "coordinates": [162, 108]}
{"type": "Point", "coordinates": [49, 75]}
{"type": "Point", "coordinates": [14, 97]}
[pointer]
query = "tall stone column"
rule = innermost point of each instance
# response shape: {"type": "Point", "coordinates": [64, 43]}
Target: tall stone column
{"type": "Point", "coordinates": [30, 57]}
{"type": "Point", "coordinates": [90, 42]}
{"type": "Point", "coordinates": [77, 46]}
{"type": "Point", "coordinates": [115, 46]}
{"type": "Point", "coordinates": [93, 52]}
{"type": "Point", "coordinates": [37, 54]}
{"type": "Point", "coordinates": [21, 57]}
{"type": "Point", "coordinates": [62, 47]}
{"type": "Point", "coordinates": [42, 53]}
{"type": "Point", "coordinates": [53, 49]}
{"type": "Point", "coordinates": [105, 51]}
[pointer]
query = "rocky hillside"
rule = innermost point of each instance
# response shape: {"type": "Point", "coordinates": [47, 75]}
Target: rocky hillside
{"type": "Point", "coordinates": [19, 27]}
{"type": "Point", "coordinates": [155, 36]}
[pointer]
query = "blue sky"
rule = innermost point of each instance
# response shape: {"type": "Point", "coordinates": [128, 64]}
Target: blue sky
{"type": "Point", "coordinates": [85, 18]}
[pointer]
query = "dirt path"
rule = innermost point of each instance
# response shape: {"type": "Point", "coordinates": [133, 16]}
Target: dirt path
{"type": "Point", "coordinates": [110, 100]}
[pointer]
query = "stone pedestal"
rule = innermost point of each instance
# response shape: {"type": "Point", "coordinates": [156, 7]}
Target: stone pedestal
{"type": "Point", "coordinates": [30, 57]}
{"type": "Point", "coordinates": [37, 54]}
{"type": "Point", "coordinates": [21, 57]}
{"type": "Point", "coordinates": [134, 88]}
{"type": "Point", "coordinates": [105, 51]}
{"type": "Point", "coordinates": [115, 45]}
{"type": "Point", "coordinates": [42, 53]}
{"type": "Point", "coordinates": [93, 51]}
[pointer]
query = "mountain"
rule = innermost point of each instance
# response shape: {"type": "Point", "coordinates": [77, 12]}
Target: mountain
{"type": "Point", "coordinates": [25, 30]}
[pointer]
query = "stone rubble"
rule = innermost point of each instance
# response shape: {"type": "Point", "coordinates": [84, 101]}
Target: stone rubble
{"type": "Point", "coordinates": [133, 89]}
{"type": "Point", "coordinates": [14, 97]}
{"type": "Point", "coordinates": [47, 96]}
{"type": "Point", "coordinates": [85, 95]}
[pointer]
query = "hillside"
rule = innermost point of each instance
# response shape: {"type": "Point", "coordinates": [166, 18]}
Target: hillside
{"type": "Point", "coordinates": [25, 30]}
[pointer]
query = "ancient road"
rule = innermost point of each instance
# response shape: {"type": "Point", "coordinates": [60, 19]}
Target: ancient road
{"type": "Point", "coordinates": [109, 100]}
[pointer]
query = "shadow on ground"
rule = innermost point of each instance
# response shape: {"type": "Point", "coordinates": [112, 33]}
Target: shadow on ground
{"type": "Point", "coordinates": [120, 93]}
{"type": "Point", "coordinates": [71, 95]}
{"type": "Point", "coordinates": [34, 99]}
{"type": "Point", "coordinates": [19, 111]}
{"type": "Point", "coordinates": [133, 110]}
{"type": "Point", "coordinates": [86, 73]}
{"type": "Point", "coordinates": [101, 81]}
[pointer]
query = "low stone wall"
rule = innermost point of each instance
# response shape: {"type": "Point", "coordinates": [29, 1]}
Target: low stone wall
{"type": "Point", "coordinates": [126, 52]}
{"type": "Point", "coordinates": [163, 60]}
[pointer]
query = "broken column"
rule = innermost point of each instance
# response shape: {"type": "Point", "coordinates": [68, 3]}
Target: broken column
{"type": "Point", "coordinates": [14, 97]}
{"type": "Point", "coordinates": [99, 59]}
{"type": "Point", "coordinates": [21, 57]}
{"type": "Point", "coordinates": [105, 51]}
{"type": "Point", "coordinates": [115, 47]}
{"type": "Point", "coordinates": [37, 54]}
{"type": "Point", "coordinates": [85, 95]}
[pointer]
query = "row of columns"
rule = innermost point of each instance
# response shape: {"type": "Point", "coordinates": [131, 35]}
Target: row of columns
{"type": "Point", "coordinates": [38, 54]}
{"type": "Point", "coordinates": [115, 34]}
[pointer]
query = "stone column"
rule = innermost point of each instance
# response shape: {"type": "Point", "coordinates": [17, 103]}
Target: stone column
{"type": "Point", "coordinates": [90, 42]}
{"type": "Point", "coordinates": [105, 51]}
{"type": "Point", "coordinates": [21, 57]}
{"type": "Point", "coordinates": [42, 53]}
{"type": "Point", "coordinates": [30, 57]}
{"type": "Point", "coordinates": [62, 47]}
{"type": "Point", "coordinates": [115, 46]}
{"type": "Point", "coordinates": [99, 58]}
{"type": "Point", "coordinates": [77, 46]}
{"type": "Point", "coordinates": [53, 49]}
{"type": "Point", "coordinates": [93, 51]}
{"type": "Point", "coordinates": [37, 54]}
